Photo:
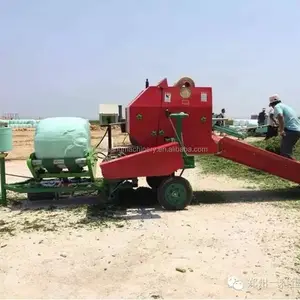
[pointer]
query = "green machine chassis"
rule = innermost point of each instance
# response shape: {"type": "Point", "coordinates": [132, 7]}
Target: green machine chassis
{"type": "Point", "coordinates": [50, 178]}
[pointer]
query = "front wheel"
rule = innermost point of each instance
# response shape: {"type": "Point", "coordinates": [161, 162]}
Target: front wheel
{"type": "Point", "coordinates": [175, 193]}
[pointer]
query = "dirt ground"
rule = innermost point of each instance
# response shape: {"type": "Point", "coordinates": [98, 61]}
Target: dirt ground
{"type": "Point", "coordinates": [233, 242]}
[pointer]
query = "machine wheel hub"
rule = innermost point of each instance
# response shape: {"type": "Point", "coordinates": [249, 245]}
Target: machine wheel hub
{"type": "Point", "coordinates": [175, 193]}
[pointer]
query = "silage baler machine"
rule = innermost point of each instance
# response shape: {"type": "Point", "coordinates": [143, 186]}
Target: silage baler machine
{"type": "Point", "coordinates": [167, 127]}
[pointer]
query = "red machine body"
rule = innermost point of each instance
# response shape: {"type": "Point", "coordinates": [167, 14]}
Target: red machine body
{"type": "Point", "coordinates": [156, 161]}
{"type": "Point", "coordinates": [259, 159]}
{"type": "Point", "coordinates": [149, 126]}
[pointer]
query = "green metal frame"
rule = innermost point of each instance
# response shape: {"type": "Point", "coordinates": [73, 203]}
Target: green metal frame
{"type": "Point", "coordinates": [32, 186]}
{"type": "Point", "coordinates": [48, 168]}
{"type": "Point", "coordinates": [3, 179]}
{"type": "Point", "coordinates": [41, 183]}
{"type": "Point", "coordinates": [229, 131]}
{"type": "Point", "coordinates": [189, 160]}
{"type": "Point", "coordinates": [44, 181]}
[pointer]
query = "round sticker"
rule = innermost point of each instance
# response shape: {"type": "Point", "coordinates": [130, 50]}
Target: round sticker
{"type": "Point", "coordinates": [185, 92]}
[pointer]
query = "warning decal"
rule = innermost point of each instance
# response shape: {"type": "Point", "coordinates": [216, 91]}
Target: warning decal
{"type": "Point", "coordinates": [167, 97]}
{"type": "Point", "coordinates": [203, 97]}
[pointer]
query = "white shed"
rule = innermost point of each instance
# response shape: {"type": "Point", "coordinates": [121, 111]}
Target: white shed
{"type": "Point", "coordinates": [108, 113]}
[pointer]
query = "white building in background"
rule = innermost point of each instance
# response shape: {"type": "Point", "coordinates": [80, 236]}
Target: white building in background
{"type": "Point", "coordinates": [110, 112]}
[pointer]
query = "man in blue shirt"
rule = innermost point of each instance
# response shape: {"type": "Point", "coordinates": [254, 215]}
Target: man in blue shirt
{"type": "Point", "coordinates": [289, 126]}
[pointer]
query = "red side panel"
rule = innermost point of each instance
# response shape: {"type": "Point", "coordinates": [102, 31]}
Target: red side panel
{"type": "Point", "coordinates": [156, 161]}
{"type": "Point", "coordinates": [197, 127]}
{"type": "Point", "coordinates": [259, 159]}
{"type": "Point", "coordinates": [143, 116]}
{"type": "Point", "coordinates": [148, 124]}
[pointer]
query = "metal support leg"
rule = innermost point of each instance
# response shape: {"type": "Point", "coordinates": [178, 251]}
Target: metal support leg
{"type": "Point", "coordinates": [109, 133]}
{"type": "Point", "coordinates": [2, 179]}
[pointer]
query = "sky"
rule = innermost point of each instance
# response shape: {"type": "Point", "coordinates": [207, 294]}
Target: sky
{"type": "Point", "coordinates": [65, 57]}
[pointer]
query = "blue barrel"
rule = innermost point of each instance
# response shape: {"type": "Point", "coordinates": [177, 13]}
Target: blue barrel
{"type": "Point", "coordinates": [6, 141]}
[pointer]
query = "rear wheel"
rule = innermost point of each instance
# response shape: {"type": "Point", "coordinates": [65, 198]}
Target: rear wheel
{"type": "Point", "coordinates": [155, 181]}
{"type": "Point", "coordinates": [175, 193]}
{"type": "Point", "coordinates": [145, 196]}
{"type": "Point", "coordinates": [125, 197]}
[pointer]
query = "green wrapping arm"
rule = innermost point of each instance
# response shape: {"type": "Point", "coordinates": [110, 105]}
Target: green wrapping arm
{"type": "Point", "coordinates": [229, 131]}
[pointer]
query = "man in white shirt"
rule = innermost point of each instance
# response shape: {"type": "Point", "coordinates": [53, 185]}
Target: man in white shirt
{"type": "Point", "coordinates": [272, 124]}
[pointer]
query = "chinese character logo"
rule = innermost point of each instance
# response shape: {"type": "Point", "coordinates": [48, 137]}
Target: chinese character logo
{"type": "Point", "coordinates": [235, 283]}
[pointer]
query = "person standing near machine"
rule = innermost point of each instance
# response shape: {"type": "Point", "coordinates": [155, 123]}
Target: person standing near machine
{"type": "Point", "coordinates": [289, 125]}
{"type": "Point", "coordinates": [272, 129]}
{"type": "Point", "coordinates": [262, 117]}
{"type": "Point", "coordinates": [221, 122]}
{"type": "Point", "coordinates": [221, 116]}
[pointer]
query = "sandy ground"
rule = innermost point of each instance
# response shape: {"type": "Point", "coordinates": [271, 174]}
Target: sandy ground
{"type": "Point", "coordinates": [54, 253]}
{"type": "Point", "coordinates": [232, 244]}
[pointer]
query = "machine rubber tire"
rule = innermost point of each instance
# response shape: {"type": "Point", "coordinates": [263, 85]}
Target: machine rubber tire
{"type": "Point", "coordinates": [182, 81]}
{"type": "Point", "coordinates": [126, 196]}
{"type": "Point", "coordinates": [133, 142]}
{"type": "Point", "coordinates": [155, 181]}
{"type": "Point", "coordinates": [40, 196]}
{"type": "Point", "coordinates": [145, 196]}
{"type": "Point", "coordinates": [175, 193]}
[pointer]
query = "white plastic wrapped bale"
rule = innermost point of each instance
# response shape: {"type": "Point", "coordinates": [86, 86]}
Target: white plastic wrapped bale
{"type": "Point", "coordinates": [58, 138]}
{"type": "Point", "coordinates": [245, 122]}
{"type": "Point", "coordinates": [236, 123]}
{"type": "Point", "coordinates": [252, 123]}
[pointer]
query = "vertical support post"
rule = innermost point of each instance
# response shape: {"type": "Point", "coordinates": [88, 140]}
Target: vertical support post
{"type": "Point", "coordinates": [179, 129]}
{"type": "Point", "coordinates": [120, 117]}
{"type": "Point", "coordinates": [3, 179]}
{"type": "Point", "coordinates": [178, 125]}
{"type": "Point", "coordinates": [189, 161]}
{"type": "Point", "coordinates": [109, 137]}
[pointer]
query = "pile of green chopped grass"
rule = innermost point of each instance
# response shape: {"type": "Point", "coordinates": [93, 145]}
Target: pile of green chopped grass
{"type": "Point", "coordinates": [217, 165]}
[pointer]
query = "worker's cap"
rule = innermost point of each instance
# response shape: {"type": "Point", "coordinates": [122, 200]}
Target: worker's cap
{"type": "Point", "coordinates": [274, 98]}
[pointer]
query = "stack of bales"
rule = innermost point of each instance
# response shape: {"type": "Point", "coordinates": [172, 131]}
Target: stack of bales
{"type": "Point", "coordinates": [243, 124]}
{"type": "Point", "coordinates": [21, 123]}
